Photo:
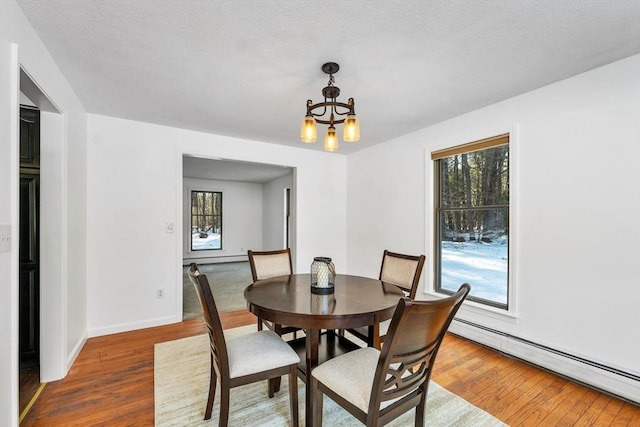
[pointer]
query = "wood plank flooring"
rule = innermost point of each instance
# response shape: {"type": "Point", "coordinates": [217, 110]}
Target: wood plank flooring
{"type": "Point", "coordinates": [111, 383]}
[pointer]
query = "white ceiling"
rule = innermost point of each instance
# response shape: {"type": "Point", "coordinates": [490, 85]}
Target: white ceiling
{"type": "Point", "coordinates": [228, 170]}
{"type": "Point", "coordinates": [246, 68]}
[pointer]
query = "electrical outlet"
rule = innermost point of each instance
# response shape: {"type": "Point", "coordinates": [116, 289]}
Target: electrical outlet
{"type": "Point", "coordinates": [159, 293]}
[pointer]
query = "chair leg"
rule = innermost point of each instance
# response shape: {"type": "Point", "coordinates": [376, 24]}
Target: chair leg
{"type": "Point", "coordinates": [316, 403]}
{"type": "Point", "coordinates": [224, 405]}
{"type": "Point", "coordinates": [271, 387]}
{"type": "Point", "coordinates": [274, 386]}
{"type": "Point", "coordinates": [212, 391]}
{"type": "Point", "coordinates": [419, 422]}
{"type": "Point", "coordinates": [373, 336]}
{"type": "Point", "coordinates": [293, 394]}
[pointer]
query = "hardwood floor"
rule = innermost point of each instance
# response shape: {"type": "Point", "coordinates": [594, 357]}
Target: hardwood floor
{"type": "Point", "coordinates": [111, 383]}
{"type": "Point", "coordinates": [523, 395]}
{"type": "Point", "coordinates": [28, 385]}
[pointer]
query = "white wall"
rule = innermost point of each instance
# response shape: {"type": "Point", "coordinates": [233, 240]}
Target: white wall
{"type": "Point", "coordinates": [575, 229]}
{"type": "Point", "coordinates": [273, 202]}
{"type": "Point", "coordinates": [134, 188]}
{"type": "Point", "coordinates": [241, 218]}
{"type": "Point", "coordinates": [63, 316]}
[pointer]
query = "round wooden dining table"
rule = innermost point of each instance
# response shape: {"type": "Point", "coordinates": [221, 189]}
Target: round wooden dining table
{"type": "Point", "coordinates": [289, 300]}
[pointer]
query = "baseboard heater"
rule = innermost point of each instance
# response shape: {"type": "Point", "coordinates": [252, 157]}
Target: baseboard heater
{"type": "Point", "coordinates": [590, 363]}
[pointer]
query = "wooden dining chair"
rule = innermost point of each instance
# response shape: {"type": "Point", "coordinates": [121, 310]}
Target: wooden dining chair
{"type": "Point", "coordinates": [267, 264]}
{"type": "Point", "coordinates": [245, 359]}
{"type": "Point", "coordinates": [377, 386]}
{"type": "Point", "coordinates": [403, 271]}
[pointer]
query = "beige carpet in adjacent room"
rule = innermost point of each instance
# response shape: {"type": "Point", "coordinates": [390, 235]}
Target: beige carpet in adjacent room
{"type": "Point", "coordinates": [227, 280]}
{"type": "Point", "coordinates": [181, 381]}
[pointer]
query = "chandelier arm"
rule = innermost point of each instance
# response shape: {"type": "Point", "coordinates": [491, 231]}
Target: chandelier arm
{"type": "Point", "coordinates": [310, 110]}
{"type": "Point", "coordinates": [331, 104]}
{"type": "Point", "coordinates": [329, 122]}
{"type": "Point", "coordinates": [343, 114]}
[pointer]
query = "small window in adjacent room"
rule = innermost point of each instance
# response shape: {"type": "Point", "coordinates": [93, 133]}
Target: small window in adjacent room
{"type": "Point", "coordinates": [471, 201]}
{"type": "Point", "coordinates": [206, 220]}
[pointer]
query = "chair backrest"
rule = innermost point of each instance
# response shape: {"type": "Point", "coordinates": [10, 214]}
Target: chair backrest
{"type": "Point", "coordinates": [410, 348]}
{"type": "Point", "coordinates": [402, 270]}
{"type": "Point", "coordinates": [266, 264]}
{"type": "Point", "coordinates": [212, 319]}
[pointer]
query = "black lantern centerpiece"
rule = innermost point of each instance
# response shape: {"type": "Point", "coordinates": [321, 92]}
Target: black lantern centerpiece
{"type": "Point", "coordinates": [323, 275]}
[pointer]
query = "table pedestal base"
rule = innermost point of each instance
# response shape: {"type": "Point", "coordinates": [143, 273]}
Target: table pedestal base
{"type": "Point", "coordinates": [330, 345]}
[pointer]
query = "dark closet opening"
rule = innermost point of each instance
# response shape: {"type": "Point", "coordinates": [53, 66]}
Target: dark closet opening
{"type": "Point", "coordinates": [29, 286]}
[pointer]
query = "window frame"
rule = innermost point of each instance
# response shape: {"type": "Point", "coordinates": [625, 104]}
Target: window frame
{"type": "Point", "coordinates": [478, 145]}
{"type": "Point", "coordinates": [191, 215]}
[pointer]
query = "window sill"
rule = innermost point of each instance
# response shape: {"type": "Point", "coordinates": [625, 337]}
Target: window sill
{"type": "Point", "coordinates": [477, 308]}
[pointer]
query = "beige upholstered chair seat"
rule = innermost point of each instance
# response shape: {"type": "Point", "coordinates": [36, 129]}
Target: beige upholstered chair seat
{"type": "Point", "coordinates": [351, 375]}
{"type": "Point", "coordinates": [257, 352]}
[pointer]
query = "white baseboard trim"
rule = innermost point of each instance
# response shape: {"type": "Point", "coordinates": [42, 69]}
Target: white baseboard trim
{"type": "Point", "coordinates": [126, 327]}
{"type": "Point", "coordinates": [623, 384]}
{"type": "Point", "coordinates": [49, 375]}
{"type": "Point", "coordinates": [214, 260]}
{"type": "Point", "coordinates": [71, 358]}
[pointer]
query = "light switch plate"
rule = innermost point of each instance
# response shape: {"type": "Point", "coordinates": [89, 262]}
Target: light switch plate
{"type": "Point", "coordinates": [5, 238]}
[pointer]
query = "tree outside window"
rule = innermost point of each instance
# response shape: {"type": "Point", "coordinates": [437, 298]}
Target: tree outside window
{"type": "Point", "coordinates": [472, 220]}
{"type": "Point", "coordinates": [206, 220]}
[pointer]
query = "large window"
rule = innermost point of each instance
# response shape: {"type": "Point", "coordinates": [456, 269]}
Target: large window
{"type": "Point", "coordinates": [206, 220]}
{"type": "Point", "coordinates": [472, 220]}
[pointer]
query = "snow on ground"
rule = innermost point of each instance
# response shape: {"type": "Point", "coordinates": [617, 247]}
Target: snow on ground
{"type": "Point", "coordinates": [483, 265]}
{"type": "Point", "coordinates": [212, 241]}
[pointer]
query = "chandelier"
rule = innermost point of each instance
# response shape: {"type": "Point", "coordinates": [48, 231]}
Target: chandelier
{"type": "Point", "coordinates": [329, 113]}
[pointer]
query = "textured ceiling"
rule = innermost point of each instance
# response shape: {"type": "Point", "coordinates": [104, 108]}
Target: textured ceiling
{"type": "Point", "coordinates": [227, 170]}
{"type": "Point", "coordinates": [246, 68]}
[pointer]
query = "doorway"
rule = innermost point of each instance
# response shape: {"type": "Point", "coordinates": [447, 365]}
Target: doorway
{"type": "Point", "coordinates": [257, 212]}
{"type": "Point", "coordinates": [29, 255]}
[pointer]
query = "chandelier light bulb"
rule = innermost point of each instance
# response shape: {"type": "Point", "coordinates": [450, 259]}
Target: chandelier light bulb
{"type": "Point", "coordinates": [308, 131]}
{"type": "Point", "coordinates": [331, 140]}
{"type": "Point", "coordinates": [351, 129]}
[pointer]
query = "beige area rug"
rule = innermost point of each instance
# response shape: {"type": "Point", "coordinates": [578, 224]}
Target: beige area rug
{"type": "Point", "coordinates": [227, 280]}
{"type": "Point", "coordinates": [181, 385]}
